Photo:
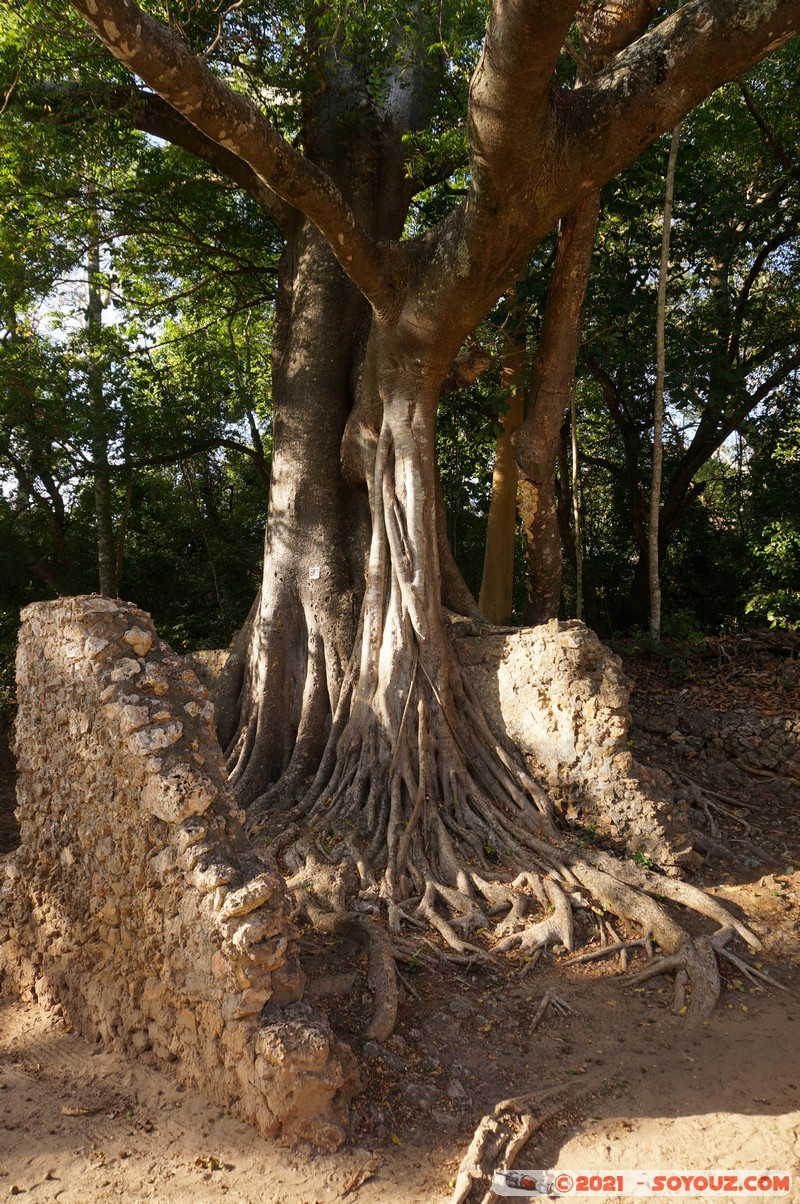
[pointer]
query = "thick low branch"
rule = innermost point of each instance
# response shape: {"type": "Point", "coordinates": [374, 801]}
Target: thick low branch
{"type": "Point", "coordinates": [651, 85]}
{"type": "Point", "coordinates": [508, 94]}
{"type": "Point", "coordinates": [167, 65]}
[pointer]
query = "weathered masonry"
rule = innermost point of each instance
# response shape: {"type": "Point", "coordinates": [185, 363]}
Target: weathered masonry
{"type": "Point", "coordinates": [134, 901]}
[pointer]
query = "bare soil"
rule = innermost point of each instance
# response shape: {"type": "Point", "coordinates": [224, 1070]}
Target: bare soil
{"type": "Point", "coordinates": [78, 1123]}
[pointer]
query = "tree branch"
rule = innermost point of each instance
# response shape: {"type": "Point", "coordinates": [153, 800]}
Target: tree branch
{"type": "Point", "coordinates": [160, 58]}
{"type": "Point", "coordinates": [648, 87]}
{"type": "Point", "coordinates": [507, 114]}
{"type": "Point", "coordinates": [782, 154]}
{"type": "Point", "coordinates": [764, 252]}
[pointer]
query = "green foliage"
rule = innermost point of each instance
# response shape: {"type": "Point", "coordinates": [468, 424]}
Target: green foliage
{"type": "Point", "coordinates": [733, 354]}
{"type": "Point", "coordinates": [187, 281]}
{"type": "Point", "coordinates": [189, 268]}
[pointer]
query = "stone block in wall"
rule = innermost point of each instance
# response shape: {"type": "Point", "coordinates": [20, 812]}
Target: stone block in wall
{"type": "Point", "coordinates": [135, 901]}
{"type": "Point", "coordinates": [560, 694]}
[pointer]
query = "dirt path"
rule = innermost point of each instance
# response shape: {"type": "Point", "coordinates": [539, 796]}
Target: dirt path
{"type": "Point", "coordinates": [84, 1125]}
{"type": "Point", "coordinates": [81, 1125]}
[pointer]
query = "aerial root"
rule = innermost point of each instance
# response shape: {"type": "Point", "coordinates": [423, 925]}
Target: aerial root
{"type": "Point", "coordinates": [502, 1134]}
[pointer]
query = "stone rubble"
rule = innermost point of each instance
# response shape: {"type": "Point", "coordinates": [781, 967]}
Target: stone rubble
{"type": "Point", "coordinates": [134, 902]}
{"type": "Point", "coordinates": [732, 743]}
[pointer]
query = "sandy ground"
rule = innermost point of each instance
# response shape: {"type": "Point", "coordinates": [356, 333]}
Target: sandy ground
{"type": "Point", "coordinates": [78, 1123]}
{"type": "Point", "coordinates": [81, 1124]}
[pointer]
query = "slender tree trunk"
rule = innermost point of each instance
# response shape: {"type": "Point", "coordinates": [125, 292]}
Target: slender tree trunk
{"type": "Point", "coordinates": [536, 440]}
{"type": "Point", "coordinates": [106, 550]}
{"type": "Point", "coordinates": [496, 600]}
{"type": "Point", "coordinates": [653, 559]}
{"type": "Point", "coordinates": [576, 507]}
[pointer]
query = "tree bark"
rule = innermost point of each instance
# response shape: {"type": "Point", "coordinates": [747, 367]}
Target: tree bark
{"type": "Point", "coordinates": [276, 700]}
{"type": "Point", "coordinates": [496, 600]}
{"type": "Point", "coordinates": [99, 410]}
{"type": "Point", "coordinates": [536, 441]}
{"type": "Point", "coordinates": [576, 506]}
{"type": "Point", "coordinates": [275, 717]}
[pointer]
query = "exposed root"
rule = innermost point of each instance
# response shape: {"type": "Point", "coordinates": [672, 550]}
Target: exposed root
{"type": "Point", "coordinates": [329, 985]}
{"type": "Point", "coordinates": [529, 913]}
{"type": "Point", "coordinates": [381, 976]}
{"type": "Point", "coordinates": [752, 972]}
{"type": "Point", "coordinates": [709, 802]}
{"type": "Point", "coordinates": [556, 928]}
{"type": "Point", "coordinates": [500, 1137]}
{"type": "Point", "coordinates": [420, 816]}
{"type": "Point", "coordinates": [559, 1006]}
{"type": "Point", "coordinates": [695, 963]}
{"type": "Point", "coordinates": [621, 947]}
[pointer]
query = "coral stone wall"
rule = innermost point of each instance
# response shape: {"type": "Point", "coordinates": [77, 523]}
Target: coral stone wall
{"type": "Point", "coordinates": [135, 902]}
{"type": "Point", "coordinates": [561, 695]}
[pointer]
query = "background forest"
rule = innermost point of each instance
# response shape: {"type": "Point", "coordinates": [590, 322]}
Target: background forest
{"type": "Point", "coordinates": [136, 303]}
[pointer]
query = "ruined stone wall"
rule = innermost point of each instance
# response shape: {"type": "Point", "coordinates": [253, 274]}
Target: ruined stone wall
{"type": "Point", "coordinates": [769, 742]}
{"type": "Point", "coordinates": [561, 696]}
{"type": "Point", "coordinates": [135, 902]}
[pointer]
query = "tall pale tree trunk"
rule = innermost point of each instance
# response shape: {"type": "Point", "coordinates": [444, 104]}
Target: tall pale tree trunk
{"type": "Point", "coordinates": [653, 559]}
{"type": "Point", "coordinates": [576, 506]}
{"type": "Point", "coordinates": [99, 411]}
{"type": "Point", "coordinates": [282, 682]}
{"type": "Point", "coordinates": [496, 600]}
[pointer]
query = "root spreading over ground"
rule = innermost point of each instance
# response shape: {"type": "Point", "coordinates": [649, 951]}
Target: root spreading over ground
{"type": "Point", "coordinates": [438, 842]}
{"type": "Point", "coordinates": [424, 831]}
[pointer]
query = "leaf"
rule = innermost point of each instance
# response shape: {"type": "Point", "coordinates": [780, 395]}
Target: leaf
{"type": "Point", "coordinates": [361, 1176]}
{"type": "Point", "coordinates": [209, 1163]}
{"type": "Point", "coordinates": [395, 1140]}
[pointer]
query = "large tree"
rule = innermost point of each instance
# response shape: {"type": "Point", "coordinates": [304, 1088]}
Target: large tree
{"type": "Point", "coordinates": [345, 700]}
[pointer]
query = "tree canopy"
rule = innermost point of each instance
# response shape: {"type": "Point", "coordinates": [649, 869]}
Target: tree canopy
{"type": "Point", "coordinates": [368, 185]}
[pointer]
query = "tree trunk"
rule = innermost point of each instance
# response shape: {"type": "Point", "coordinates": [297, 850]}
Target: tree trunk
{"type": "Point", "coordinates": [496, 600]}
{"type": "Point", "coordinates": [275, 702]}
{"type": "Point", "coordinates": [106, 549]}
{"type": "Point", "coordinates": [576, 507]}
{"type": "Point", "coordinates": [536, 440]}
{"type": "Point", "coordinates": [653, 557]}
{"type": "Point", "coordinates": [412, 775]}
